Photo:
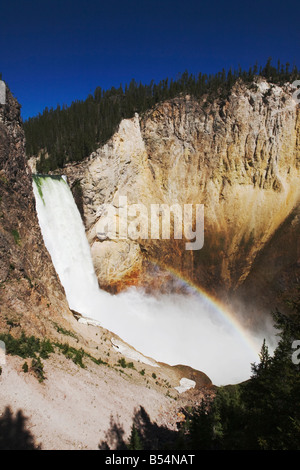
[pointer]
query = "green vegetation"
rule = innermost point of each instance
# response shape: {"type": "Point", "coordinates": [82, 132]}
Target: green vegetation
{"type": "Point", "coordinates": [96, 361]}
{"type": "Point", "coordinates": [63, 331]}
{"type": "Point", "coordinates": [29, 347]}
{"type": "Point", "coordinates": [135, 442]}
{"type": "Point", "coordinates": [38, 181]}
{"type": "Point", "coordinates": [11, 323]}
{"type": "Point", "coordinates": [38, 369]}
{"type": "Point", "coordinates": [76, 355]}
{"type": "Point", "coordinates": [37, 349]}
{"type": "Point", "coordinates": [122, 362]}
{"type": "Point", "coordinates": [4, 179]}
{"type": "Point", "coordinates": [16, 236]}
{"type": "Point", "coordinates": [69, 134]}
{"type": "Point", "coordinates": [26, 346]}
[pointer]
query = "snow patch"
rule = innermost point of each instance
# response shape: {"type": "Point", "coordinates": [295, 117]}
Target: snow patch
{"type": "Point", "coordinates": [185, 384]}
{"type": "Point", "coordinates": [132, 353]}
{"type": "Point", "coordinates": [89, 321]}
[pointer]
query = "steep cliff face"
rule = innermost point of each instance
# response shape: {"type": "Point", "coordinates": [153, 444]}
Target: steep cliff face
{"type": "Point", "coordinates": [30, 290]}
{"type": "Point", "coordinates": [239, 156]}
{"type": "Point", "coordinates": [274, 279]}
{"type": "Point", "coordinates": [241, 159]}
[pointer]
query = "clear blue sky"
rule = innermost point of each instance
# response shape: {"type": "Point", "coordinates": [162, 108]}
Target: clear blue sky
{"type": "Point", "coordinates": [61, 50]}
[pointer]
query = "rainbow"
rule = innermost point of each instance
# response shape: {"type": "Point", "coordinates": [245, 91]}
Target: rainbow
{"type": "Point", "coordinates": [224, 311]}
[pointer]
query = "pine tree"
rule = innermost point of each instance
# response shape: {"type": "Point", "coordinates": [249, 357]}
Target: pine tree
{"type": "Point", "coordinates": [72, 133]}
{"type": "Point", "coordinates": [135, 442]}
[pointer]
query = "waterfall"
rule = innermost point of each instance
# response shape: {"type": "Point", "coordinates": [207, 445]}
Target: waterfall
{"type": "Point", "coordinates": [174, 329]}
{"type": "Point", "coordinates": [64, 236]}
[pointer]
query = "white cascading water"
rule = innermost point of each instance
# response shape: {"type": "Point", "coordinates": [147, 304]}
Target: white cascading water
{"type": "Point", "coordinates": [174, 329]}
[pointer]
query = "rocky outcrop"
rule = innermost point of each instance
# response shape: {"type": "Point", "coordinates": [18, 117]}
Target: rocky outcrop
{"type": "Point", "coordinates": [30, 289]}
{"type": "Point", "coordinates": [239, 156]}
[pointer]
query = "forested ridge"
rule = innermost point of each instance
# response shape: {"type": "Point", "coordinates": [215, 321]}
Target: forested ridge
{"type": "Point", "coordinates": [71, 133]}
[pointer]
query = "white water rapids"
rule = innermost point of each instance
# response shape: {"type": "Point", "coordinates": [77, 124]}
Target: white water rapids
{"type": "Point", "coordinates": [174, 329]}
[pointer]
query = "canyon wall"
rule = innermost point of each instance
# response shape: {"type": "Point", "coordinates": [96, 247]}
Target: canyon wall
{"type": "Point", "coordinates": [31, 293]}
{"type": "Point", "coordinates": [239, 156]}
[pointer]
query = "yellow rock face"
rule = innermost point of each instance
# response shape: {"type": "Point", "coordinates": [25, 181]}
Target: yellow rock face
{"type": "Point", "coordinates": [239, 156]}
